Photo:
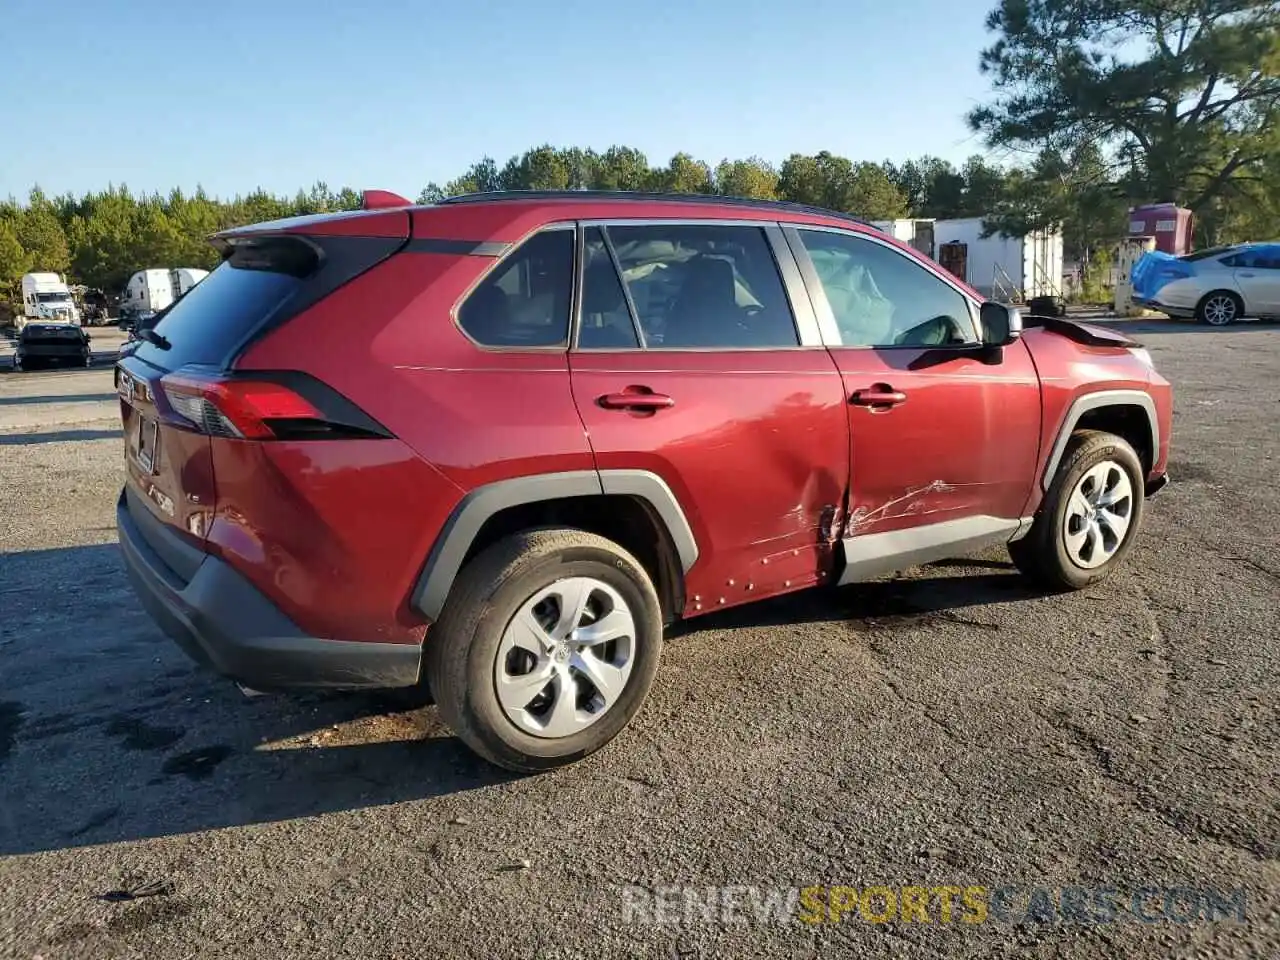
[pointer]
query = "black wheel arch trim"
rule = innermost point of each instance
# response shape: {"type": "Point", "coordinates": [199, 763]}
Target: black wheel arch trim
{"type": "Point", "coordinates": [1096, 401]}
{"type": "Point", "coordinates": [450, 549]}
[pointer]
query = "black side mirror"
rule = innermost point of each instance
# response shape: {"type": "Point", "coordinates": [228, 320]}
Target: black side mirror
{"type": "Point", "coordinates": [1001, 324]}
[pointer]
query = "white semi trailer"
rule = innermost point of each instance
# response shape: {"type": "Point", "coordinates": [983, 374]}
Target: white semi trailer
{"type": "Point", "coordinates": [150, 291]}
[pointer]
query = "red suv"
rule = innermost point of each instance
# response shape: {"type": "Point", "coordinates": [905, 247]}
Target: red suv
{"type": "Point", "coordinates": [495, 444]}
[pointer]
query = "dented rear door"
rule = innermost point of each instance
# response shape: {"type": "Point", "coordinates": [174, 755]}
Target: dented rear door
{"type": "Point", "coordinates": [753, 442]}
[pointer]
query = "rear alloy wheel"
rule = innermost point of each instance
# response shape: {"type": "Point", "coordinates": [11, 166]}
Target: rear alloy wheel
{"type": "Point", "coordinates": [546, 648]}
{"type": "Point", "coordinates": [565, 657]}
{"type": "Point", "coordinates": [1219, 308]}
{"type": "Point", "coordinates": [1089, 516]}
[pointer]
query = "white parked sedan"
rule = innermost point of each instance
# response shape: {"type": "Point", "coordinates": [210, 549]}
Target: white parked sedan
{"type": "Point", "coordinates": [1216, 286]}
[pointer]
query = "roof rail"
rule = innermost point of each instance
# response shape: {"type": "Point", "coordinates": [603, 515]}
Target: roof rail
{"type": "Point", "coordinates": [650, 197]}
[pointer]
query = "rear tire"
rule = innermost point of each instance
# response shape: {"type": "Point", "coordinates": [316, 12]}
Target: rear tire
{"type": "Point", "coordinates": [1219, 308]}
{"type": "Point", "coordinates": [523, 611]}
{"type": "Point", "coordinates": [1090, 515]}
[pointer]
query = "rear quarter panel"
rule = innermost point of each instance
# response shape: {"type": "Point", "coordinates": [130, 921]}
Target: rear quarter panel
{"type": "Point", "coordinates": [341, 529]}
{"type": "Point", "coordinates": [334, 531]}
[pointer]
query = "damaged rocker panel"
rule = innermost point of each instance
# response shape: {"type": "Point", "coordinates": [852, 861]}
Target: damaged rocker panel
{"type": "Point", "coordinates": [876, 554]}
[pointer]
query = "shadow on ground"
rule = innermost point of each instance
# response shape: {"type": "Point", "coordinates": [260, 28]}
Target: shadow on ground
{"type": "Point", "coordinates": [56, 398]}
{"type": "Point", "coordinates": [928, 596]}
{"type": "Point", "coordinates": [57, 436]}
{"type": "Point", "coordinates": [108, 733]}
{"type": "Point", "coordinates": [1164, 325]}
{"type": "Point", "coordinates": [97, 360]}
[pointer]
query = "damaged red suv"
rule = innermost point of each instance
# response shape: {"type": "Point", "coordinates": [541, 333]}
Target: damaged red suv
{"type": "Point", "coordinates": [494, 445]}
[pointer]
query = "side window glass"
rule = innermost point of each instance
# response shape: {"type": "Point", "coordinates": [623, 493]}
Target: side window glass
{"type": "Point", "coordinates": [881, 298]}
{"type": "Point", "coordinates": [524, 301]}
{"type": "Point", "coordinates": [704, 286]}
{"type": "Point", "coordinates": [606, 320]}
{"type": "Point", "coordinates": [1269, 257]}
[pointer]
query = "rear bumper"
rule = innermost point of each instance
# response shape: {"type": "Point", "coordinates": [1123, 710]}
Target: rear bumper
{"type": "Point", "coordinates": [1178, 312]}
{"type": "Point", "coordinates": [223, 622]}
{"type": "Point", "coordinates": [54, 353]}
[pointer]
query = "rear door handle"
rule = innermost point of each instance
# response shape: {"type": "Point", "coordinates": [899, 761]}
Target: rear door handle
{"type": "Point", "coordinates": [881, 395]}
{"type": "Point", "coordinates": [627, 400]}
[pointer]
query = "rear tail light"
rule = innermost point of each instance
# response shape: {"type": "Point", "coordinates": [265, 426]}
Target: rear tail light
{"type": "Point", "coordinates": [263, 409]}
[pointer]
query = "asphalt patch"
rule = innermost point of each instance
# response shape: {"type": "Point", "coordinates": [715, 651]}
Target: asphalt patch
{"type": "Point", "coordinates": [196, 764]}
{"type": "Point", "coordinates": [139, 735]}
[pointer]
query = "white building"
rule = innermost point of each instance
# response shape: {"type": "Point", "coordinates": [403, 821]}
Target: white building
{"type": "Point", "coordinates": [1009, 269]}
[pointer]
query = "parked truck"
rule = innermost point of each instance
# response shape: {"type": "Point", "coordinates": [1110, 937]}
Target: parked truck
{"type": "Point", "coordinates": [150, 291]}
{"type": "Point", "coordinates": [46, 298]}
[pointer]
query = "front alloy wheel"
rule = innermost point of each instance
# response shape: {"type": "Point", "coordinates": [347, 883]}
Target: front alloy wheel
{"type": "Point", "coordinates": [1089, 516]}
{"type": "Point", "coordinates": [1098, 515]}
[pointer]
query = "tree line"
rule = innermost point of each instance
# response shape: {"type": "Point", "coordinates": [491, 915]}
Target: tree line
{"type": "Point", "coordinates": [1096, 106]}
{"type": "Point", "coordinates": [101, 238]}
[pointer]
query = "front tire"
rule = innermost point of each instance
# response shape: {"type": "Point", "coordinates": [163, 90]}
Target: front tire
{"type": "Point", "coordinates": [546, 648]}
{"type": "Point", "coordinates": [1090, 515]}
{"type": "Point", "coordinates": [1219, 308]}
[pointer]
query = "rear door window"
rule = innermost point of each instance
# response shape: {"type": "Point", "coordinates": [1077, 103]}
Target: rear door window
{"type": "Point", "coordinates": [606, 319]}
{"type": "Point", "coordinates": [694, 287]}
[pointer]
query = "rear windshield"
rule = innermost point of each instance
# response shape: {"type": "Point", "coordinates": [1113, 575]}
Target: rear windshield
{"type": "Point", "coordinates": [226, 307]}
{"type": "Point", "coordinates": [43, 332]}
{"type": "Point", "coordinates": [1205, 253]}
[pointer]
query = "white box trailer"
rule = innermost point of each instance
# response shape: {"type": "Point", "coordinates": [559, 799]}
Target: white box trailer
{"type": "Point", "coordinates": [1009, 269]}
{"type": "Point", "coordinates": [153, 290]}
{"type": "Point", "coordinates": [914, 233]}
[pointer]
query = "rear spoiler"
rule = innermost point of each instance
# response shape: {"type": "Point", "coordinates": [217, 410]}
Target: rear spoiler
{"type": "Point", "coordinates": [381, 214]}
{"type": "Point", "coordinates": [1087, 334]}
{"type": "Point", "coordinates": [381, 199]}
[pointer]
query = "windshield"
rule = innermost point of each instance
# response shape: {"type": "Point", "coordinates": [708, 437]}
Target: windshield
{"type": "Point", "coordinates": [53, 297]}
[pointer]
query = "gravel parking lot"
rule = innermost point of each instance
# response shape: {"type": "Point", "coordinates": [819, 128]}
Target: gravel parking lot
{"type": "Point", "coordinates": [946, 727]}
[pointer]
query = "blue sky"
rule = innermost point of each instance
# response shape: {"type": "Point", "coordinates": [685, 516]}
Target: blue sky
{"type": "Point", "coordinates": [281, 93]}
